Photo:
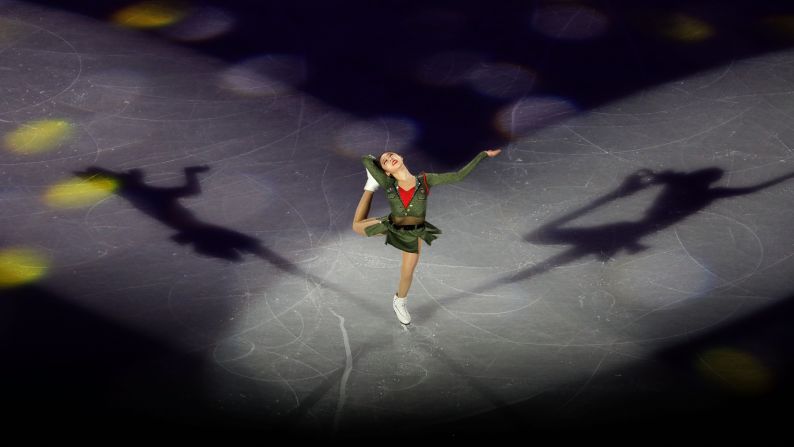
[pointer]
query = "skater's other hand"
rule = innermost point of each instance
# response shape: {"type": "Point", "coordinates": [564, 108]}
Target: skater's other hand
{"type": "Point", "coordinates": [372, 184]}
{"type": "Point", "coordinates": [493, 152]}
{"type": "Point", "coordinates": [635, 182]}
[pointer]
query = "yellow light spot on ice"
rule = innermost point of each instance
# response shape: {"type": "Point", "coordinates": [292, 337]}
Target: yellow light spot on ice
{"type": "Point", "coordinates": [685, 28]}
{"type": "Point", "coordinates": [151, 14]}
{"type": "Point", "coordinates": [77, 193]}
{"type": "Point", "coordinates": [38, 136]}
{"type": "Point", "coordinates": [736, 370]}
{"type": "Point", "coordinates": [9, 31]}
{"type": "Point", "coordinates": [20, 266]}
{"type": "Point", "coordinates": [781, 25]}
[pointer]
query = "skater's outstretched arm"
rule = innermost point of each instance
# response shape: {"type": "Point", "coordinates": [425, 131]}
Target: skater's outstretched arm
{"type": "Point", "coordinates": [731, 192]}
{"type": "Point", "coordinates": [434, 179]}
{"type": "Point", "coordinates": [633, 183]}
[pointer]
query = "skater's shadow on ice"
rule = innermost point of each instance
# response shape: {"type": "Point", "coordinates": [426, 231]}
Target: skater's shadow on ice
{"type": "Point", "coordinates": [162, 203]}
{"type": "Point", "coordinates": [683, 195]}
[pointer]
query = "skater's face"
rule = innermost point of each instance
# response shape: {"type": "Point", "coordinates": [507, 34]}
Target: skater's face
{"type": "Point", "coordinates": [391, 162]}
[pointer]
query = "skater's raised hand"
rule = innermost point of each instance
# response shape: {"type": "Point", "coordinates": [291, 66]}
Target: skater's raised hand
{"type": "Point", "coordinates": [493, 152]}
{"type": "Point", "coordinates": [635, 182]}
{"type": "Point", "coordinates": [372, 184]}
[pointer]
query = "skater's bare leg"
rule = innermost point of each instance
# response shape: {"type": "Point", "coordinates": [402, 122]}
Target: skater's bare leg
{"type": "Point", "coordinates": [360, 220]}
{"type": "Point", "coordinates": [410, 260]}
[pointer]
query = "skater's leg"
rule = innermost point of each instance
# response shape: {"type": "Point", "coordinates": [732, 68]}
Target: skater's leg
{"type": "Point", "coordinates": [406, 276]}
{"type": "Point", "coordinates": [360, 220]}
{"type": "Point", "coordinates": [410, 260]}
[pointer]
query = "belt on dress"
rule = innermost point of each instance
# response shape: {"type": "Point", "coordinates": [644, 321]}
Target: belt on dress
{"type": "Point", "coordinates": [407, 227]}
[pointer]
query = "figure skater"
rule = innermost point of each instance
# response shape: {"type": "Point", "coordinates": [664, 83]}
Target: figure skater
{"type": "Point", "coordinates": [405, 227]}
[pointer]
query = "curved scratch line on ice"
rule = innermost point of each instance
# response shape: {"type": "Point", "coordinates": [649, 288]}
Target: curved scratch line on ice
{"type": "Point", "coordinates": [346, 375]}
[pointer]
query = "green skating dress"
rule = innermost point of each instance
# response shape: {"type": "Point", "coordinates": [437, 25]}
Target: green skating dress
{"type": "Point", "coordinates": [405, 225]}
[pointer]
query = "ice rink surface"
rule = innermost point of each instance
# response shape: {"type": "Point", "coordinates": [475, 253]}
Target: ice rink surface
{"type": "Point", "coordinates": [182, 225]}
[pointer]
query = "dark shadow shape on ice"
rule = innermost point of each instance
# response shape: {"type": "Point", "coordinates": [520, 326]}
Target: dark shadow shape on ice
{"type": "Point", "coordinates": [684, 194]}
{"type": "Point", "coordinates": [163, 204]}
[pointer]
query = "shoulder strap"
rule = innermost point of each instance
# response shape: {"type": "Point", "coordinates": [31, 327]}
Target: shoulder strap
{"type": "Point", "coordinates": [427, 188]}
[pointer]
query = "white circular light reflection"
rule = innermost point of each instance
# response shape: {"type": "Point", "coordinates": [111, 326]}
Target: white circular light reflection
{"type": "Point", "coordinates": [529, 114]}
{"type": "Point", "coordinates": [203, 24]}
{"type": "Point", "coordinates": [569, 22]}
{"type": "Point", "coordinates": [376, 136]}
{"type": "Point", "coordinates": [501, 80]}
{"type": "Point", "coordinates": [265, 75]}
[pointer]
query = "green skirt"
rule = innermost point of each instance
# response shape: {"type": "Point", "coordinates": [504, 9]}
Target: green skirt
{"type": "Point", "coordinates": [405, 240]}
